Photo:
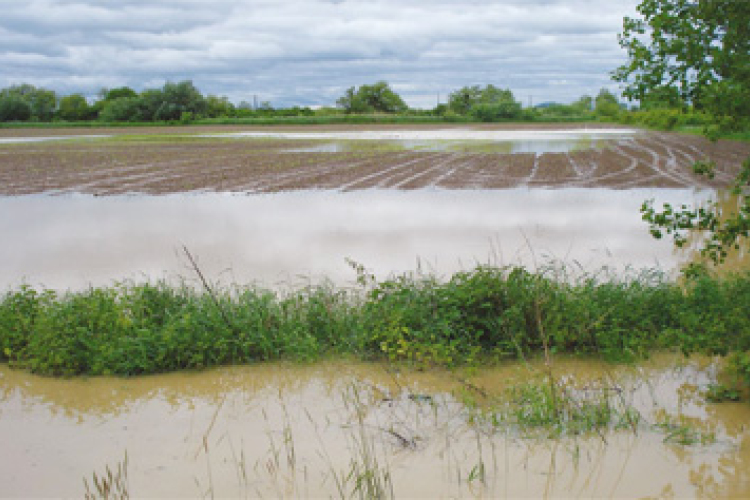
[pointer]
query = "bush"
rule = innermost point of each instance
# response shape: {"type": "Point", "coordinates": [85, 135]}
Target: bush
{"type": "Point", "coordinates": [413, 318]}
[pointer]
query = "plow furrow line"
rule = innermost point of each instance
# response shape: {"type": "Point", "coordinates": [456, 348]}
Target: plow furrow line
{"type": "Point", "coordinates": [534, 170]}
{"type": "Point", "coordinates": [630, 168]}
{"type": "Point", "coordinates": [418, 175]}
{"type": "Point", "coordinates": [436, 182]}
{"type": "Point", "coordinates": [574, 164]}
{"type": "Point", "coordinates": [276, 181]}
{"type": "Point", "coordinates": [669, 170]}
{"type": "Point", "coordinates": [388, 173]}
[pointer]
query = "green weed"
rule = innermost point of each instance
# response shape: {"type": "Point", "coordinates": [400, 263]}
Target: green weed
{"type": "Point", "coordinates": [555, 409]}
{"type": "Point", "coordinates": [681, 430]}
{"type": "Point", "coordinates": [415, 318]}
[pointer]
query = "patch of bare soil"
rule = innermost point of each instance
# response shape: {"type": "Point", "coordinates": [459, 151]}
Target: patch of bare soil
{"type": "Point", "coordinates": [153, 165]}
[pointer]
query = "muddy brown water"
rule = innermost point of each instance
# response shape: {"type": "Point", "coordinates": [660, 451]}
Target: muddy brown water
{"type": "Point", "coordinates": [277, 430]}
{"type": "Point", "coordinates": [288, 239]}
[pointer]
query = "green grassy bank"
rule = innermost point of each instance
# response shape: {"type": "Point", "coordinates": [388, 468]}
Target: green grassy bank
{"type": "Point", "coordinates": [475, 316]}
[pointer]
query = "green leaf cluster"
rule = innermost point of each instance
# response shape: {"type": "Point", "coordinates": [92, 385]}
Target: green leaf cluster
{"type": "Point", "coordinates": [694, 54]}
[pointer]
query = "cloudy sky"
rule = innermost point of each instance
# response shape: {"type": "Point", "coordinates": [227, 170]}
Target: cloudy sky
{"type": "Point", "coordinates": [307, 52]}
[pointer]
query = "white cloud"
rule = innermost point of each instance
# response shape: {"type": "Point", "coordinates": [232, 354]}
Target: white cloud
{"type": "Point", "coordinates": [309, 51]}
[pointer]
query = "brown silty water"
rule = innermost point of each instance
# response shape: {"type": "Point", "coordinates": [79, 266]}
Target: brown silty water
{"type": "Point", "coordinates": [299, 431]}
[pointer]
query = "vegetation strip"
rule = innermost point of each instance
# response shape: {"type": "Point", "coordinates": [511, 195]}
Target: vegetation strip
{"type": "Point", "coordinates": [485, 314]}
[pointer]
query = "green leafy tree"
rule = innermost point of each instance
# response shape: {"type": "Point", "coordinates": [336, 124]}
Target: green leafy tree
{"type": "Point", "coordinates": [151, 101]}
{"type": "Point", "coordinates": [108, 95]}
{"type": "Point", "coordinates": [14, 109]}
{"type": "Point", "coordinates": [218, 106]}
{"type": "Point", "coordinates": [488, 103]}
{"type": "Point", "coordinates": [116, 93]}
{"type": "Point", "coordinates": [74, 108]}
{"type": "Point", "coordinates": [376, 98]}
{"type": "Point", "coordinates": [462, 100]}
{"type": "Point", "coordinates": [606, 104]}
{"type": "Point", "coordinates": [41, 101]}
{"type": "Point", "coordinates": [350, 102]}
{"type": "Point", "coordinates": [663, 98]}
{"type": "Point", "coordinates": [179, 98]}
{"type": "Point", "coordinates": [584, 105]}
{"type": "Point", "coordinates": [173, 102]}
{"type": "Point", "coordinates": [700, 51]}
{"type": "Point", "coordinates": [123, 109]}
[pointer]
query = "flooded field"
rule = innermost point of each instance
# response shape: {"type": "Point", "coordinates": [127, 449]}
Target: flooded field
{"type": "Point", "coordinates": [297, 431]}
{"type": "Point", "coordinates": [286, 207]}
{"type": "Point", "coordinates": [283, 161]}
{"type": "Point", "coordinates": [282, 239]}
{"type": "Point", "coordinates": [452, 140]}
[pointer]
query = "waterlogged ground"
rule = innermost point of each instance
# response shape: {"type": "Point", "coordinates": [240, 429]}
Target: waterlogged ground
{"type": "Point", "coordinates": [285, 239]}
{"type": "Point", "coordinates": [393, 198]}
{"type": "Point", "coordinates": [298, 431]}
{"type": "Point", "coordinates": [359, 158]}
{"type": "Point", "coordinates": [287, 207]}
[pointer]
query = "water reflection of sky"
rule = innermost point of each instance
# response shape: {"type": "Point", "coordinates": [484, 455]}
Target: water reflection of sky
{"type": "Point", "coordinates": [455, 140]}
{"type": "Point", "coordinates": [561, 145]}
{"type": "Point", "coordinates": [73, 240]}
{"type": "Point", "coordinates": [19, 140]}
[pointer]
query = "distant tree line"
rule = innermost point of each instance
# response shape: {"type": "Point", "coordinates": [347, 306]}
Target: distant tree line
{"type": "Point", "coordinates": [182, 102]}
{"type": "Point", "coordinates": [174, 102]}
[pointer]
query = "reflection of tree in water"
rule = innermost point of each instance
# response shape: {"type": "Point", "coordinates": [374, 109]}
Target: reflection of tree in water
{"type": "Point", "coordinates": [720, 466]}
{"type": "Point", "coordinates": [738, 259]}
{"type": "Point", "coordinates": [81, 398]}
{"type": "Point", "coordinates": [111, 396]}
{"type": "Point", "coordinates": [732, 477]}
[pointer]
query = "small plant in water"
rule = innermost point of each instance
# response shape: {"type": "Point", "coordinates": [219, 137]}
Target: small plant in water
{"type": "Point", "coordinates": [110, 485]}
{"type": "Point", "coordinates": [681, 430]}
{"type": "Point", "coordinates": [717, 393]}
{"type": "Point", "coordinates": [369, 476]}
{"type": "Point", "coordinates": [557, 409]}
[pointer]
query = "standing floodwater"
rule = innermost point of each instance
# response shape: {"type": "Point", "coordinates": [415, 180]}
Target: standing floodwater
{"type": "Point", "coordinates": [299, 431]}
{"type": "Point", "coordinates": [286, 210]}
{"type": "Point", "coordinates": [288, 238]}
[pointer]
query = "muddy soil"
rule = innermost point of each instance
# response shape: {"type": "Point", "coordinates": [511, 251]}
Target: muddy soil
{"type": "Point", "coordinates": [151, 161]}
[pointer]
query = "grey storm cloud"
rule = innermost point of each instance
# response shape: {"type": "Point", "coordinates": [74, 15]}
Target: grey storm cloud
{"type": "Point", "coordinates": [307, 52]}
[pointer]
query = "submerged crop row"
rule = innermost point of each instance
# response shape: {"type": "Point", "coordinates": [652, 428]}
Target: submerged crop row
{"type": "Point", "coordinates": [488, 312]}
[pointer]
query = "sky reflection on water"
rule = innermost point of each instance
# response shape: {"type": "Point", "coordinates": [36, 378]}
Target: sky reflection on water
{"type": "Point", "coordinates": [293, 237]}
